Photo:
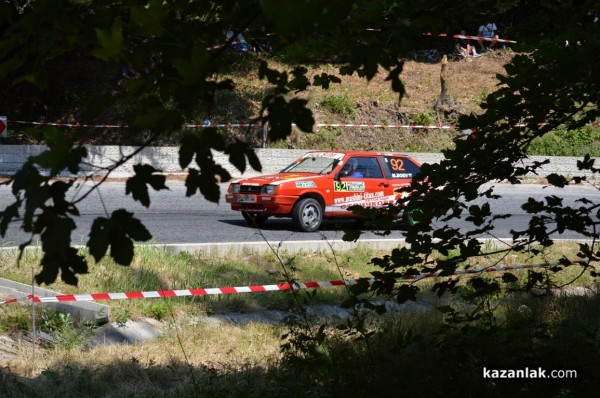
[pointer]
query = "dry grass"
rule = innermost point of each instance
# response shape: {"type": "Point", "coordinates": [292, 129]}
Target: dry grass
{"type": "Point", "coordinates": [374, 102]}
{"type": "Point", "coordinates": [198, 358]}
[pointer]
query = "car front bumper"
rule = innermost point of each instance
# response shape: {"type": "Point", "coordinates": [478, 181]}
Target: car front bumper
{"type": "Point", "coordinates": [272, 204]}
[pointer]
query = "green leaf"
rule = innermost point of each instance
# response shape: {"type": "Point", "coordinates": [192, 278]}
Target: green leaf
{"type": "Point", "coordinates": [26, 178]}
{"type": "Point", "coordinates": [507, 277]}
{"type": "Point", "coordinates": [351, 235]}
{"type": "Point", "coordinates": [74, 158]}
{"type": "Point", "coordinates": [110, 42]}
{"type": "Point", "coordinates": [237, 151]}
{"type": "Point", "coordinates": [121, 249]}
{"type": "Point", "coordinates": [194, 70]}
{"type": "Point", "coordinates": [557, 180]}
{"type": "Point", "coordinates": [58, 192]}
{"type": "Point", "coordinates": [149, 18]}
{"type": "Point", "coordinates": [118, 233]}
{"type": "Point", "coordinates": [205, 182]}
{"type": "Point", "coordinates": [187, 150]}
{"type": "Point", "coordinates": [124, 228]}
{"type": "Point", "coordinates": [137, 231]}
{"type": "Point", "coordinates": [192, 182]}
{"type": "Point", "coordinates": [57, 157]}
{"type": "Point", "coordinates": [99, 238]}
{"type": "Point", "coordinates": [55, 231]}
{"type": "Point", "coordinates": [300, 82]}
{"type": "Point", "coordinates": [122, 220]}
{"type": "Point", "coordinates": [137, 185]}
{"type": "Point", "coordinates": [253, 159]}
{"type": "Point", "coordinates": [211, 138]}
{"type": "Point", "coordinates": [406, 293]}
{"type": "Point", "coordinates": [394, 77]}
{"type": "Point", "coordinates": [7, 215]}
{"type": "Point", "coordinates": [280, 119]}
{"type": "Point", "coordinates": [209, 188]}
{"type": "Point", "coordinates": [301, 115]}
{"type": "Point", "coordinates": [324, 80]}
{"type": "Point", "coordinates": [274, 77]}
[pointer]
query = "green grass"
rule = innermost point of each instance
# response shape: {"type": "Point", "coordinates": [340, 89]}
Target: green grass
{"type": "Point", "coordinates": [339, 104]}
{"type": "Point", "coordinates": [421, 352]}
{"type": "Point", "coordinates": [579, 142]}
{"type": "Point", "coordinates": [154, 269]}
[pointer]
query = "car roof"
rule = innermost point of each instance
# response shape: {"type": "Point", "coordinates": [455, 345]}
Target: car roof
{"type": "Point", "coordinates": [361, 153]}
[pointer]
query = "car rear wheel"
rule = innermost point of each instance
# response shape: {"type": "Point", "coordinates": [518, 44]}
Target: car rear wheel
{"type": "Point", "coordinates": [307, 215]}
{"type": "Point", "coordinates": [254, 219]}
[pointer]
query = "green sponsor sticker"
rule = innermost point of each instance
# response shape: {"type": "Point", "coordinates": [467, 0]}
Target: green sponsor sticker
{"type": "Point", "coordinates": [348, 186]}
{"type": "Point", "coordinates": [305, 184]}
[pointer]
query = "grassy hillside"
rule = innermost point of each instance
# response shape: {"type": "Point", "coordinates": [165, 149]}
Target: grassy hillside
{"type": "Point", "coordinates": [353, 101]}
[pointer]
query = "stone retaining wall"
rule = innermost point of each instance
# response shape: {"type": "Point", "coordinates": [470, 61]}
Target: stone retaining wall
{"type": "Point", "coordinates": [272, 160]}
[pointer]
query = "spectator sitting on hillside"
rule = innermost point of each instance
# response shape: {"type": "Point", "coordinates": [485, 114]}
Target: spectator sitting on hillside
{"type": "Point", "coordinates": [240, 44]}
{"type": "Point", "coordinates": [127, 73]}
{"type": "Point", "coordinates": [262, 43]}
{"type": "Point", "coordinates": [487, 31]}
{"type": "Point", "coordinates": [463, 47]}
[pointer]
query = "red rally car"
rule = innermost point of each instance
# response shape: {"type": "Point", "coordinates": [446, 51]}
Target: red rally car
{"type": "Point", "coordinates": [323, 184]}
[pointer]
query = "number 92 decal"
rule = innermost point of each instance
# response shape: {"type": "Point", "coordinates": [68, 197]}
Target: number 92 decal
{"type": "Point", "coordinates": [397, 164]}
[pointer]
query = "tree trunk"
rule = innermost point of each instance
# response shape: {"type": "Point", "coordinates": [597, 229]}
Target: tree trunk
{"type": "Point", "coordinates": [443, 99]}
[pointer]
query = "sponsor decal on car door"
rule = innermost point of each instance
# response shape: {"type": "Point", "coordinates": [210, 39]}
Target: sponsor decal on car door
{"type": "Point", "coordinates": [369, 189]}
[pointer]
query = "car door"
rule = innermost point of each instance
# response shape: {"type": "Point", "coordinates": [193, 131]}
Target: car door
{"type": "Point", "coordinates": [367, 187]}
{"type": "Point", "coordinates": [399, 170]}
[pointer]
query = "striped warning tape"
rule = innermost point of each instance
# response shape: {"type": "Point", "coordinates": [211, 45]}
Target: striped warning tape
{"type": "Point", "coordinates": [471, 37]}
{"type": "Point", "coordinates": [246, 125]}
{"type": "Point", "coordinates": [388, 126]}
{"type": "Point", "coordinates": [12, 300]}
{"type": "Point", "coordinates": [258, 288]}
{"type": "Point", "coordinates": [73, 125]}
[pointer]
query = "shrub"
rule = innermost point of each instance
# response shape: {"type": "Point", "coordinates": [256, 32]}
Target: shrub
{"type": "Point", "coordinates": [563, 142]}
{"type": "Point", "coordinates": [340, 104]}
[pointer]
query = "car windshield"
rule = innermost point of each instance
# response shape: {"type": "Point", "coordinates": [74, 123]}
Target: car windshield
{"type": "Point", "coordinates": [317, 165]}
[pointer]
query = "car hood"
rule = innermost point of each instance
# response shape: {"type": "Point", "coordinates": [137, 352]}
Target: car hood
{"type": "Point", "coordinates": [276, 179]}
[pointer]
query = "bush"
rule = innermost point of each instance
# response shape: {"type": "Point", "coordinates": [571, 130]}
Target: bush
{"type": "Point", "coordinates": [563, 142]}
{"type": "Point", "coordinates": [340, 104]}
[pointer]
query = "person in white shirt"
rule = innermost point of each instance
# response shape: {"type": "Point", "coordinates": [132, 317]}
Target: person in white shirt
{"type": "Point", "coordinates": [239, 44]}
{"type": "Point", "coordinates": [487, 31]}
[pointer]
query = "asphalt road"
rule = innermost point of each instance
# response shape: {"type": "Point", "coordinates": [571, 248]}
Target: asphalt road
{"type": "Point", "coordinates": [174, 218]}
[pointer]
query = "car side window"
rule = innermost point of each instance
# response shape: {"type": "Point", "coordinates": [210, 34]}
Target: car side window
{"type": "Point", "coordinates": [362, 167]}
{"type": "Point", "coordinates": [397, 167]}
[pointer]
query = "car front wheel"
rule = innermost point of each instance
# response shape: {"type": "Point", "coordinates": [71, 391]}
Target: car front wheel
{"type": "Point", "coordinates": [307, 215]}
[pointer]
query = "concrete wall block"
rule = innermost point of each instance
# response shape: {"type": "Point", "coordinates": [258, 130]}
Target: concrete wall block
{"type": "Point", "coordinates": [272, 160]}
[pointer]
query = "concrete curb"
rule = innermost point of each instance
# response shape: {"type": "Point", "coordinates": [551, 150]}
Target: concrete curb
{"type": "Point", "coordinates": [81, 311]}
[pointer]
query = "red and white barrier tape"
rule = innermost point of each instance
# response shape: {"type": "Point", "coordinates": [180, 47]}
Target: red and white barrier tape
{"type": "Point", "coordinates": [256, 288]}
{"type": "Point", "coordinates": [12, 300]}
{"type": "Point", "coordinates": [387, 126]}
{"type": "Point", "coordinates": [471, 37]}
{"type": "Point", "coordinates": [73, 125]}
{"type": "Point", "coordinates": [245, 125]}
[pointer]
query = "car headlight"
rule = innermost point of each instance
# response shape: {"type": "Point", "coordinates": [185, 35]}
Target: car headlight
{"type": "Point", "coordinates": [234, 188]}
{"type": "Point", "coordinates": [269, 189]}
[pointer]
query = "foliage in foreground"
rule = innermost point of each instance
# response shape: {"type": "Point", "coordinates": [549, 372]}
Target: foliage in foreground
{"type": "Point", "coordinates": [550, 87]}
